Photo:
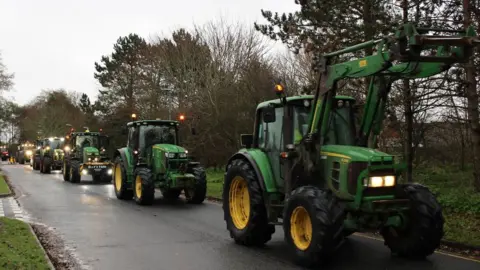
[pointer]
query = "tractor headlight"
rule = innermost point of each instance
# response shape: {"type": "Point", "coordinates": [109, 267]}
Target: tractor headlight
{"type": "Point", "coordinates": [29, 152]}
{"type": "Point", "coordinates": [84, 172]}
{"type": "Point", "coordinates": [67, 148]}
{"type": "Point", "coordinates": [170, 155]}
{"type": "Point", "coordinates": [47, 148]}
{"type": "Point", "coordinates": [379, 181]}
{"type": "Point", "coordinates": [183, 155]}
{"type": "Point", "coordinates": [110, 171]}
{"type": "Point", "coordinates": [96, 159]}
{"type": "Point", "coordinates": [89, 159]}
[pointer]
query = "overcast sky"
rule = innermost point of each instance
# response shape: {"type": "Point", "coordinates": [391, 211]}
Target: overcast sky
{"type": "Point", "coordinates": [54, 43]}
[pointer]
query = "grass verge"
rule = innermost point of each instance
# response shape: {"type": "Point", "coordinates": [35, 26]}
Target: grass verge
{"type": "Point", "coordinates": [215, 183]}
{"type": "Point", "coordinates": [460, 202]}
{"type": "Point", "coordinates": [4, 189]}
{"type": "Point", "coordinates": [18, 247]}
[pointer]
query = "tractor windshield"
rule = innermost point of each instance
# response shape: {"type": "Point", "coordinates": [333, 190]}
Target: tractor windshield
{"type": "Point", "coordinates": [341, 129]}
{"type": "Point", "coordinates": [87, 141]}
{"type": "Point", "coordinates": [54, 144]}
{"type": "Point", "coordinates": [157, 134]}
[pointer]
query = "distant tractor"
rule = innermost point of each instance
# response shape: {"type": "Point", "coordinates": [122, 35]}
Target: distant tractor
{"type": "Point", "coordinates": [25, 152]}
{"type": "Point", "coordinates": [86, 154]}
{"type": "Point", "coordinates": [4, 153]}
{"type": "Point", "coordinates": [50, 154]}
{"type": "Point", "coordinates": [153, 158]}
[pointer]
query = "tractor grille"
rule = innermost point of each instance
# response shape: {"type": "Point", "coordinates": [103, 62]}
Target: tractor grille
{"type": "Point", "coordinates": [177, 164]}
{"type": "Point", "coordinates": [354, 170]}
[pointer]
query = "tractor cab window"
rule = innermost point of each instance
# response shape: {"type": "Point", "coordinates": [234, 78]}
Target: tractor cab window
{"type": "Point", "coordinates": [300, 122]}
{"type": "Point", "coordinates": [341, 128]}
{"type": "Point", "coordinates": [54, 144]}
{"type": "Point", "coordinates": [157, 134]}
{"type": "Point", "coordinates": [86, 141]}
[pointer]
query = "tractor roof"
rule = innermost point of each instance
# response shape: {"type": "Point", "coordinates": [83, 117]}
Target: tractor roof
{"type": "Point", "coordinates": [295, 98]}
{"type": "Point", "coordinates": [153, 122]}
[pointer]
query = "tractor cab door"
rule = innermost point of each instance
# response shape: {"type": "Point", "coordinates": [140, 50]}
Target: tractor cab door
{"type": "Point", "coordinates": [270, 139]}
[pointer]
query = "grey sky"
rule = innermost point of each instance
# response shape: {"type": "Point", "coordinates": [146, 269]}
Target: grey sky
{"type": "Point", "coordinates": [54, 43]}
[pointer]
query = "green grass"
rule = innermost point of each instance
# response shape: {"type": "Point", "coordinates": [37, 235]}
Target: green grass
{"type": "Point", "coordinates": [18, 247]}
{"type": "Point", "coordinates": [460, 202]}
{"type": "Point", "coordinates": [3, 186]}
{"type": "Point", "coordinates": [215, 183]}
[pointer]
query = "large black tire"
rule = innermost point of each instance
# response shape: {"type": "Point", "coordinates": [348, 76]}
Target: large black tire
{"type": "Point", "coordinates": [123, 190]}
{"type": "Point", "coordinates": [36, 164]}
{"type": "Point", "coordinates": [66, 171]}
{"type": "Point", "coordinates": [143, 187]}
{"type": "Point", "coordinates": [47, 165]}
{"type": "Point", "coordinates": [326, 216]}
{"type": "Point", "coordinates": [75, 175]}
{"type": "Point", "coordinates": [200, 189]}
{"type": "Point", "coordinates": [171, 194]}
{"type": "Point", "coordinates": [257, 230]}
{"type": "Point", "coordinates": [424, 231]}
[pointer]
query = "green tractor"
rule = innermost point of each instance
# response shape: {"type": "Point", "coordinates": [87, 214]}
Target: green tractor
{"type": "Point", "coordinates": [49, 154]}
{"type": "Point", "coordinates": [86, 154]}
{"type": "Point", "coordinates": [153, 158]}
{"type": "Point", "coordinates": [25, 152]}
{"type": "Point", "coordinates": [312, 168]}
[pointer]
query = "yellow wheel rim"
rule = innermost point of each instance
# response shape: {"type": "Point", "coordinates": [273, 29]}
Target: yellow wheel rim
{"type": "Point", "coordinates": [239, 201]}
{"type": "Point", "coordinates": [138, 186]}
{"type": "Point", "coordinates": [118, 177]}
{"type": "Point", "coordinates": [301, 228]}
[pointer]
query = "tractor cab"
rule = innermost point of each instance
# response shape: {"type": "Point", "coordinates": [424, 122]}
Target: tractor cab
{"type": "Point", "coordinates": [144, 135]}
{"type": "Point", "coordinates": [88, 146]}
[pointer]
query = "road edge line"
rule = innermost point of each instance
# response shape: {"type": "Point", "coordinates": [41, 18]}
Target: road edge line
{"type": "Point", "coordinates": [438, 252]}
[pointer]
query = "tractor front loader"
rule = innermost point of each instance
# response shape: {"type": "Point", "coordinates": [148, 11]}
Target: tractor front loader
{"type": "Point", "coordinates": [50, 154]}
{"type": "Point", "coordinates": [86, 154]}
{"type": "Point", "coordinates": [309, 167]}
{"type": "Point", "coordinates": [153, 158]}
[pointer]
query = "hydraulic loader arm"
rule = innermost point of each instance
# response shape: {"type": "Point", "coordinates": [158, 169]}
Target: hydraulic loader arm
{"type": "Point", "coordinates": [410, 53]}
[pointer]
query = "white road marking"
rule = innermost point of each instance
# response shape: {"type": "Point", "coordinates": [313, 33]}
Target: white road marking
{"type": "Point", "coordinates": [2, 213]}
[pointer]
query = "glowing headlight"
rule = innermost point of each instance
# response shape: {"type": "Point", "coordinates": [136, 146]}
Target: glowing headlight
{"type": "Point", "coordinates": [183, 155]}
{"type": "Point", "coordinates": [380, 181]}
{"type": "Point", "coordinates": [38, 147]}
{"type": "Point", "coordinates": [170, 155]}
{"type": "Point", "coordinates": [50, 139]}
{"type": "Point", "coordinates": [89, 159]}
{"type": "Point", "coordinates": [96, 159]}
{"type": "Point", "coordinates": [47, 148]}
{"type": "Point", "coordinates": [84, 172]}
{"type": "Point", "coordinates": [62, 139]}
{"type": "Point", "coordinates": [29, 152]}
{"type": "Point", "coordinates": [109, 172]}
{"type": "Point", "coordinates": [66, 148]}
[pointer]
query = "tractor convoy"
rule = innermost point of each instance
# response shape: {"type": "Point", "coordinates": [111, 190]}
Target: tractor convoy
{"type": "Point", "coordinates": [309, 166]}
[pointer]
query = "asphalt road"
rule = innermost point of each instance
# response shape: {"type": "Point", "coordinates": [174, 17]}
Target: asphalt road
{"type": "Point", "coordinates": [111, 234]}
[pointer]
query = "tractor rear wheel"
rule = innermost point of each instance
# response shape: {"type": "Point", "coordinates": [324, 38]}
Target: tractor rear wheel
{"type": "Point", "coordinates": [66, 172]}
{"type": "Point", "coordinates": [199, 192]}
{"type": "Point", "coordinates": [47, 165]}
{"type": "Point", "coordinates": [243, 206]}
{"type": "Point", "coordinates": [144, 188]}
{"type": "Point", "coordinates": [424, 229]}
{"type": "Point", "coordinates": [313, 225]}
{"type": "Point", "coordinates": [75, 171]}
{"type": "Point", "coordinates": [171, 194]}
{"type": "Point", "coordinates": [122, 189]}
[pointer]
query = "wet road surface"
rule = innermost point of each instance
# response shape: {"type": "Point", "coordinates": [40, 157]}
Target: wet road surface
{"type": "Point", "coordinates": [111, 234]}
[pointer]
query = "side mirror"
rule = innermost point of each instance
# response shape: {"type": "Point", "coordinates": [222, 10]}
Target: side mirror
{"type": "Point", "coordinates": [193, 131]}
{"type": "Point", "coordinates": [269, 114]}
{"type": "Point", "coordinates": [246, 140]}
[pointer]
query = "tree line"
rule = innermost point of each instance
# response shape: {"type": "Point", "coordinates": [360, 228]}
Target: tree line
{"type": "Point", "coordinates": [218, 72]}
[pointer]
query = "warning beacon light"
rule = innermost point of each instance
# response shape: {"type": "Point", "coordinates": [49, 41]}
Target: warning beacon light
{"type": "Point", "coordinates": [181, 117]}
